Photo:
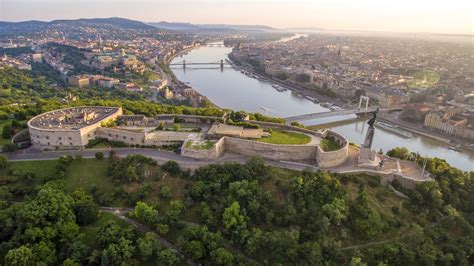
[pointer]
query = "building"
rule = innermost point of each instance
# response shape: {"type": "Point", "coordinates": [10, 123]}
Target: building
{"type": "Point", "coordinates": [69, 128]}
{"type": "Point", "coordinates": [444, 122]}
{"type": "Point", "coordinates": [79, 81]}
{"type": "Point", "coordinates": [37, 58]}
{"type": "Point", "coordinates": [415, 112]}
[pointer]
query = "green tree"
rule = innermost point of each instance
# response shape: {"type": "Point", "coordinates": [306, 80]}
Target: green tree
{"type": "Point", "coordinates": [21, 256]}
{"type": "Point", "coordinates": [172, 168]}
{"type": "Point", "coordinates": [222, 256]}
{"type": "Point", "coordinates": [174, 212]}
{"type": "Point", "coordinates": [132, 173]}
{"type": "Point", "coordinates": [160, 126]}
{"type": "Point", "coordinates": [165, 192]}
{"type": "Point", "coordinates": [147, 245]}
{"type": "Point", "coordinates": [168, 257]}
{"type": "Point", "coordinates": [145, 213]}
{"type": "Point", "coordinates": [86, 210]}
{"type": "Point", "coordinates": [119, 253]}
{"type": "Point", "coordinates": [3, 162]}
{"type": "Point", "coordinates": [234, 222]}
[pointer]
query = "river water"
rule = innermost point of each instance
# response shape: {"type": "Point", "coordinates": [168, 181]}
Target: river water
{"type": "Point", "coordinates": [229, 88]}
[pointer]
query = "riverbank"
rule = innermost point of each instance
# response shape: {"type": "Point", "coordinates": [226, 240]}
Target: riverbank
{"type": "Point", "coordinates": [178, 85]}
{"type": "Point", "coordinates": [299, 89]}
{"type": "Point", "coordinates": [234, 90]}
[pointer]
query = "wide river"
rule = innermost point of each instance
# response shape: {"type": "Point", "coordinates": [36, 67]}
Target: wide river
{"type": "Point", "coordinates": [232, 89]}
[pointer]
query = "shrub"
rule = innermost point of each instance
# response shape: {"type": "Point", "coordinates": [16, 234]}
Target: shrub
{"type": "Point", "coordinates": [99, 155]}
{"type": "Point", "coordinates": [10, 147]}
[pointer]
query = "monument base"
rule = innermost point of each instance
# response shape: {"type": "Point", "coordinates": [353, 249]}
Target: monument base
{"type": "Point", "coordinates": [368, 158]}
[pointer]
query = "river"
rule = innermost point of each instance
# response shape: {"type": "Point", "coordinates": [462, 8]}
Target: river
{"type": "Point", "coordinates": [232, 89]}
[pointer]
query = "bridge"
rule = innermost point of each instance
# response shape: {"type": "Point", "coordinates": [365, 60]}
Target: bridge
{"type": "Point", "coordinates": [184, 63]}
{"type": "Point", "coordinates": [358, 111]}
{"type": "Point", "coordinates": [215, 45]}
{"type": "Point", "coordinates": [362, 109]}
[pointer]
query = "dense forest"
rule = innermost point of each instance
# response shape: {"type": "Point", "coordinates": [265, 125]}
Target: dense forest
{"type": "Point", "coordinates": [230, 214]}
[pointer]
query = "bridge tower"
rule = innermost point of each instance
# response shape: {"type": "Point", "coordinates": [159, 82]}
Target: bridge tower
{"type": "Point", "coordinates": [222, 65]}
{"type": "Point", "coordinates": [366, 100]}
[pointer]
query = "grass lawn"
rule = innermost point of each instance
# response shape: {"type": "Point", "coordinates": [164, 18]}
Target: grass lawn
{"type": "Point", "coordinates": [206, 145]}
{"type": "Point", "coordinates": [329, 145]}
{"type": "Point", "coordinates": [88, 172]}
{"type": "Point", "coordinates": [41, 169]}
{"type": "Point", "coordinates": [286, 137]}
{"type": "Point", "coordinates": [90, 231]}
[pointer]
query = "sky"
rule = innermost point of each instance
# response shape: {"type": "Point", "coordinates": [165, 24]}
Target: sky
{"type": "Point", "coordinates": [434, 16]}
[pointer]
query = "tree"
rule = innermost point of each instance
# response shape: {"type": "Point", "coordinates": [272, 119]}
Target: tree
{"type": "Point", "coordinates": [165, 192]}
{"type": "Point", "coordinates": [119, 253]}
{"type": "Point", "coordinates": [175, 210]}
{"type": "Point", "coordinates": [336, 211]}
{"type": "Point", "coordinates": [132, 173]}
{"type": "Point", "coordinates": [21, 256]}
{"type": "Point", "coordinates": [78, 251]}
{"type": "Point", "coordinates": [176, 127]}
{"type": "Point", "coordinates": [160, 126]}
{"type": "Point", "coordinates": [3, 162]}
{"type": "Point", "coordinates": [99, 155]}
{"type": "Point", "coordinates": [147, 245]}
{"type": "Point", "coordinates": [234, 222]}
{"type": "Point", "coordinates": [86, 210]}
{"type": "Point", "coordinates": [222, 256]}
{"type": "Point", "coordinates": [145, 213]}
{"type": "Point", "coordinates": [168, 257]}
{"type": "Point", "coordinates": [172, 168]}
{"type": "Point", "coordinates": [70, 262]}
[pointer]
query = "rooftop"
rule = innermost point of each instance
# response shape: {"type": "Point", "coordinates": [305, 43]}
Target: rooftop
{"type": "Point", "coordinates": [72, 118]}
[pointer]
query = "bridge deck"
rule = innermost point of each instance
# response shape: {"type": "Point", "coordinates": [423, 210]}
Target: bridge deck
{"type": "Point", "coordinates": [329, 114]}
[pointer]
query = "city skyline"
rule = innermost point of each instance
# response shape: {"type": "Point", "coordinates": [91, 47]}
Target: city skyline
{"type": "Point", "coordinates": [455, 17]}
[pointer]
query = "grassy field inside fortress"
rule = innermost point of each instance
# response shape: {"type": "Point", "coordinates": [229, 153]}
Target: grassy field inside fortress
{"type": "Point", "coordinates": [286, 137]}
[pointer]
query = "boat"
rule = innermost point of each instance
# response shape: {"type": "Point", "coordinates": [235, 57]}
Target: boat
{"type": "Point", "coordinates": [326, 105]}
{"type": "Point", "coordinates": [395, 129]}
{"type": "Point", "coordinates": [455, 148]}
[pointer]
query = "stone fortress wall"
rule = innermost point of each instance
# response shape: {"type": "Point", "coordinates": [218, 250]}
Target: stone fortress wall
{"type": "Point", "coordinates": [58, 138]}
{"type": "Point", "coordinates": [328, 159]}
{"type": "Point", "coordinates": [307, 152]}
{"type": "Point", "coordinates": [213, 153]}
{"type": "Point", "coordinates": [129, 137]}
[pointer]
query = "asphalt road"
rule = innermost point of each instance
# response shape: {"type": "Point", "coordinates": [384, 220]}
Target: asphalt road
{"type": "Point", "coordinates": [158, 155]}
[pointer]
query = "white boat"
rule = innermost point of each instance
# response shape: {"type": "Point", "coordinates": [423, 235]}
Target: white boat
{"type": "Point", "coordinates": [326, 105]}
{"type": "Point", "coordinates": [394, 129]}
{"type": "Point", "coordinates": [455, 148]}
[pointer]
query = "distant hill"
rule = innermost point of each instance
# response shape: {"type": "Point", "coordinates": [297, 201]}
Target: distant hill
{"type": "Point", "coordinates": [121, 22]}
{"type": "Point", "coordinates": [178, 26]}
{"type": "Point", "coordinates": [305, 29]}
{"type": "Point", "coordinates": [32, 26]}
{"type": "Point", "coordinates": [185, 26]}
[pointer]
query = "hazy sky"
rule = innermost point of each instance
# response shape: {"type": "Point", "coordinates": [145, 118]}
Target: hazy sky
{"type": "Point", "coordinates": [441, 16]}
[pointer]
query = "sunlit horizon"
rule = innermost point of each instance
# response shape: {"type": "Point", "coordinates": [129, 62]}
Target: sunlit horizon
{"type": "Point", "coordinates": [453, 17]}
